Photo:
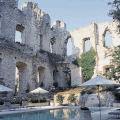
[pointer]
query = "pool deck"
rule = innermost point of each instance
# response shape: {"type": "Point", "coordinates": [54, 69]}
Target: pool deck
{"type": "Point", "coordinates": [104, 112]}
{"type": "Point", "coordinates": [25, 110]}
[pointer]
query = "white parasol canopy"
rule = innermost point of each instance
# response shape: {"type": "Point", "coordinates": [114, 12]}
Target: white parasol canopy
{"type": "Point", "coordinates": [118, 88]}
{"type": "Point", "coordinates": [99, 81]}
{"type": "Point", "coordinates": [4, 88]}
{"type": "Point", "coordinates": [39, 90]}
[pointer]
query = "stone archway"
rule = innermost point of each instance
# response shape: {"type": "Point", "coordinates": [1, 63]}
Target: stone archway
{"type": "Point", "coordinates": [104, 35]}
{"type": "Point", "coordinates": [21, 81]}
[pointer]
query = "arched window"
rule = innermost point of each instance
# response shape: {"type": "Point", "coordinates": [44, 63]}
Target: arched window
{"type": "Point", "coordinates": [40, 77]}
{"type": "Point", "coordinates": [107, 39]}
{"type": "Point", "coordinates": [20, 73]}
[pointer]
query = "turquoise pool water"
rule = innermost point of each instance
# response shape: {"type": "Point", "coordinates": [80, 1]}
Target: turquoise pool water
{"type": "Point", "coordinates": [58, 114]}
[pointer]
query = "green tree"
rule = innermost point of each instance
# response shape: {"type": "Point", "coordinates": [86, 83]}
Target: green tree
{"type": "Point", "coordinates": [115, 64]}
{"type": "Point", "coordinates": [115, 12]}
{"type": "Point", "coordinates": [87, 62]}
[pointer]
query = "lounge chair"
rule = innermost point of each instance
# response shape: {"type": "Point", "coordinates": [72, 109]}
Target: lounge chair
{"type": "Point", "coordinates": [8, 105]}
{"type": "Point", "coordinates": [25, 104]}
{"type": "Point", "coordinates": [115, 114]}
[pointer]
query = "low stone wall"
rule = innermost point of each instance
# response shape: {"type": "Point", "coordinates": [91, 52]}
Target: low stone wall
{"type": "Point", "coordinates": [116, 104]}
{"type": "Point", "coordinates": [89, 100]}
{"type": "Point", "coordinates": [65, 101]}
{"type": "Point", "coordinates": [39, 104]}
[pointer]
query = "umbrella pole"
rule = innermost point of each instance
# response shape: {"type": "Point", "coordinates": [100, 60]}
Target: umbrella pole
{"type": "Point", "coordinates": [99, 102]}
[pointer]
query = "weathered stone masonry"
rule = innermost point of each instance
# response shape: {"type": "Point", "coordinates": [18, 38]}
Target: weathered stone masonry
{"type": "Point", "coordinates": [96, 34]}
{"type": "Point", "coordinates": [32, 56]}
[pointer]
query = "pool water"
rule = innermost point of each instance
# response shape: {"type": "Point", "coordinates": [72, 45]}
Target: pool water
{"type": "Point", "coordinates": [58, 114]}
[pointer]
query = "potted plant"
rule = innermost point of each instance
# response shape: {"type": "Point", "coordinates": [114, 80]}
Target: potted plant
{"type": "Point", "coordinates": [85, 113]}
{"type": "Point", "coordinates": [7, 103]}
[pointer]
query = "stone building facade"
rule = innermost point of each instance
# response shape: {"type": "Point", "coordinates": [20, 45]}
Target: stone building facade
{"type": "Point", "coordinates": [96, 34]}
{"type": "Point", "coordinates": [31, 59]}
{"type": "Point", "coordinates": [41, 55]}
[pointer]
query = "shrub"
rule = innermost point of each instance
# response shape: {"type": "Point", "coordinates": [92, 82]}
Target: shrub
{"type": "Point", "coordinates": [87, 62]}
{"type": "Point", "coordinates": [89, 92]}
{"type": "Point", "coordinates": [1, 102]}
{"type": "Point", "coordinates": [71, 98]}
{"type": "Point", "coordinates": [6, 100]}
{"type": "Point", "coordinates": [117, 96]}
{"type": "Point", "coordinates": [59, 98]}
{"type": "Point", "coordinates": [60, 88]}
{"type": "Point", "coordinates": [109, 89]}
{"type": "Point", "coordinates": [42, 100]}
{"type": "Point", "coordinates": [34, 100]}
{"type": "Point", "coordinates": [55, 84]}
{"type": "Point", "coordinates": [83, 92]}
{"type": "Point", "coordinates": [18, 101]}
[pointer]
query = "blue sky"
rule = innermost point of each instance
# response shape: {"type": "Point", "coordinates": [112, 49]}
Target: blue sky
{"type": "Point", "coordinates": [75, 13]}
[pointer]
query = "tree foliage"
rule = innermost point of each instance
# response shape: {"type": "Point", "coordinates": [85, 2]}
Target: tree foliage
{"type": "Point", "coordinates": [59, 98]}
{"type": "Point", "coordinates": [71, 98]}
{"type": "Point", "coordinates": [115, 12]}
{"type": "Point", "coordinates": [115, 64]}
{"type": "Point", "coordinates": [87, 62]}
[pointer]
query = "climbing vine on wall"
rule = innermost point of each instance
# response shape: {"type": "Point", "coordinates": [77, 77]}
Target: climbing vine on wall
{"type": "Point", "coordinates": [87, 62]}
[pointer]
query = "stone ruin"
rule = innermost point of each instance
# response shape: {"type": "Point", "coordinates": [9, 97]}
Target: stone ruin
{"type": "Point", "coordinates": [31, 56]}
{"type": "Point", "coordinates": [40, 58]}
{"type": "Point", "coordinates": [96, 34]}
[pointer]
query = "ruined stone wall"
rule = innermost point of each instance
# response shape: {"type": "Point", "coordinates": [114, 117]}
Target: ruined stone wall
{"type": "Point", "coordinates": [32, 55]}
{"type": "Point", "coordinates": [96, 34]}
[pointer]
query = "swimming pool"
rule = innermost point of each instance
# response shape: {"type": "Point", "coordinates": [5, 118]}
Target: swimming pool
{"type": "Point", "coordinates": [57, 114]}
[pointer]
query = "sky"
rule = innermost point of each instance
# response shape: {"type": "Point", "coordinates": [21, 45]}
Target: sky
{"type": "Point", "coordinates": [75, 13]}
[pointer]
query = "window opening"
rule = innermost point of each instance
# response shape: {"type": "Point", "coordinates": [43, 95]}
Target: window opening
{"type": "Point", "coordinates": [69, 47]}
{"type": "Point", "coordinates": [19, 76]}
{"type": "Point", "coordinates": [18, 34]}
{"type": "Point", "coordinates": [41, 42]}
{"type": "Point", "coordinates": [107, 39]}
{"type": "Point", "coordinates": [87, 45]}
{"type": "Point", "coordinates": [40, 77]}
{"type": "Point", "coordinates": [51, 47]}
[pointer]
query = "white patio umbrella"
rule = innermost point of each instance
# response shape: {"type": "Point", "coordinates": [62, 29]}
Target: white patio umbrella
{"type": "Point", "coordinates": [39, 90]}
{"type": "Point", "coordinates": [118, 88]}
{"type": "Point", "coordinates": [4, 89]}
{"type": "Point", "coordinates": [99, 82]}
